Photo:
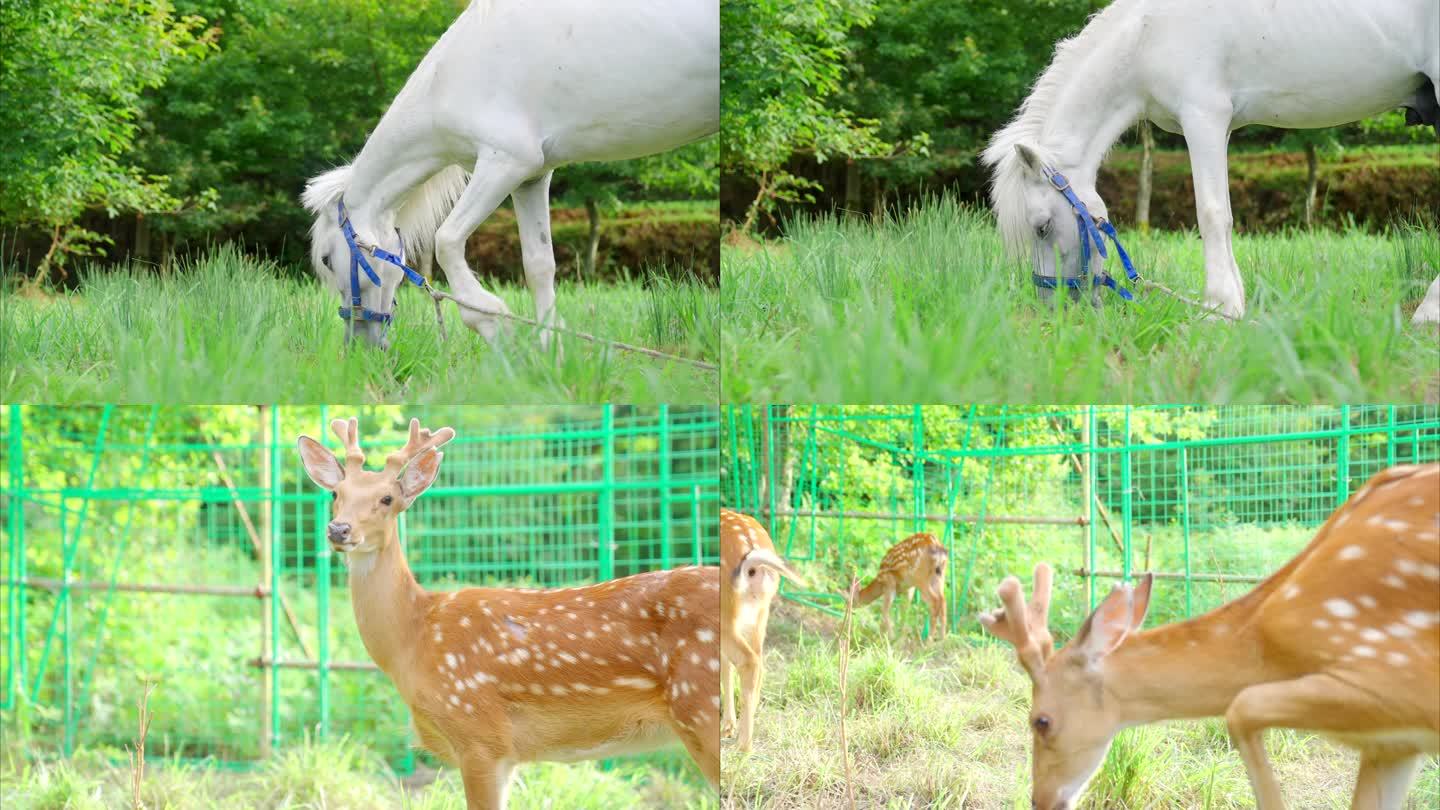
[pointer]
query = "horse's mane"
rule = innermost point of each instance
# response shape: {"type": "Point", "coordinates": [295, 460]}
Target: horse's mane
{"type": "Point", "coordinates": [417, 216]}
{"type": "Point", "coordinates": [1008, 174]}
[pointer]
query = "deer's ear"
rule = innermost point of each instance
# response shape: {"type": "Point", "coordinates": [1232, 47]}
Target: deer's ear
{"type": "Point", "coordinates": [1111, 622]}
{"type": "Point", "coordinates": [419, 474]}
{"type": "Point", "coordinates": [1140, 602]}
{"type": "Point", "coordinates": [320, 464]}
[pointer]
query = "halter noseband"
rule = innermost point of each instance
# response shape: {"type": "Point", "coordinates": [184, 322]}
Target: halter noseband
{"type": "Point", "coordinates": [1092, 229]}
{"type": "Point", "coordinates": [357, 311]}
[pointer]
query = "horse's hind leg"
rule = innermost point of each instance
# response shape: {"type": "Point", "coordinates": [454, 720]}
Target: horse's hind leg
{"type": "Point", "coordinates": [1207, 134]}
{"type": "Point", "coordinates": [532, 213]}
{"type": "Point", "coordinates": [496, 175]}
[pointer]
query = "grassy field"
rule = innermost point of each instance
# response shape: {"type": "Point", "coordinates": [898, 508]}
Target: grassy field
{"type": "Point", "coordinates": [231, 329]}
{"type": "Point", "coordinates": [926, 308]}
{"type": "Point", "coordinates": [331, 776]}
{"type": "Point", "coordinates": [943, 725]}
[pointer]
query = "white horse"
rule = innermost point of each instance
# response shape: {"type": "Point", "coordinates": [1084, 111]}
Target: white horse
{"type": "Point", "coordinates": [514, 89]}
{"type": "Point", "coordinates": [1201, 69]}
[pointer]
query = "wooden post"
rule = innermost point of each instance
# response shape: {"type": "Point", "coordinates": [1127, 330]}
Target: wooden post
{"type": "Point", "coordinates": [1147, 174]}
{"type": "Point", "coordinates": [265, 563]}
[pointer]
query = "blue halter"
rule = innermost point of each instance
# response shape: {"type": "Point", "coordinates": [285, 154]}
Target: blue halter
{"type": "Point", "coordinates": [357, 310]}
{"type": "Point", "coordinates": [1092, 230]}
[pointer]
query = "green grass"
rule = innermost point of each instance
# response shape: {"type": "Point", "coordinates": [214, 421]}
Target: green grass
{"type": "Point", "coordinates": [337, 775]}
{"type": "Point", "coordinates": [926, 308]}
{"type": "Point", "coordinates": [228, 328]}
{"type": "Point", "coordinates": [944, 726]}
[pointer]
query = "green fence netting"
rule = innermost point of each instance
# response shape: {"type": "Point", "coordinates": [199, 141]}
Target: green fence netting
{"type": "Point", "coordinates": [1212, 499]}
{"type": "Point", "coordinates": [185, 546]}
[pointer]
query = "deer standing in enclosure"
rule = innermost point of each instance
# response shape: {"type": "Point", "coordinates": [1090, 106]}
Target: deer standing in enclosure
{"type": "Point", "coordinates": [1343, 640]}
{"type": "Point", "coordinates": [498, 676]}
{"type": "Point", "coordinates": [752, 570]}
{"type": "Point", "coordinates": [917, 562]}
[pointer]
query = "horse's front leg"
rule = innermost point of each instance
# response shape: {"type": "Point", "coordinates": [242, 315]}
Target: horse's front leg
{"type": "Point", "coordinates": [532, 213]}
{"type": "Point", "coordinates": [1207, 134]}
{"type": "Point", "coordinates": [496, 175]}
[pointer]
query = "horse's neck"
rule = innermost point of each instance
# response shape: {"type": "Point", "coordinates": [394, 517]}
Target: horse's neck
{"type": "Point", "coordinates": [1096, 100]}
{"type": "Point", "coordinates": [390, 166]}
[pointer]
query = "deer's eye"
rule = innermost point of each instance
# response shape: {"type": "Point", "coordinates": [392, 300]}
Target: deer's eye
{"type": "Point", "coordinates": [750, 573]}
{"type": "Point", "coordinates": [334, 496]}
{"type": "Point", "coordinates": [387, 500]}
{"type": "Point", "coordinates": [1041, 723]}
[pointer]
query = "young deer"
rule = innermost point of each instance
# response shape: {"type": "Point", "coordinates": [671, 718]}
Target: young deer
{"type": "Point", "coordinates": [754, 570]}
{"type": "Point", "coordinates": [918, 562]}
{"type": "Point", "coordinates": [1343, 640]}
{"type": "Point", "coordinates": [499, 676]}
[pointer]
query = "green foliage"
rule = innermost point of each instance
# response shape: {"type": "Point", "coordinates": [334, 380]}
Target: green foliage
{"type": "Point", "coordinates": [688, 173]}
{"type": "Point", "coordinates": [72, 74]}
{"type": "Point", "coordinates": [781, 68]}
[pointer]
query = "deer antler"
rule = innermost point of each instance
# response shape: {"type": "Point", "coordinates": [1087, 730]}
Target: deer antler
{"type": "Point", "coordinates": [421, 439]}
{"type": "Point", "coordinates": [1026, 628]}
{"type": "Point", "coordinates": [348, 432]}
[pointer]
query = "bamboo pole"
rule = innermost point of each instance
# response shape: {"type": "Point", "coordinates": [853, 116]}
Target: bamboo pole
{"type": "Point", "coordinates": [932, 517]}
{"type": "Point", "coordinates": [255, 540]}
{"type": "Point", "coordinates": [45, 583]}
{"type": "Point", "coordinates": [1176, 575]}
{"type": "Point", "coordinates": [1082, 470]}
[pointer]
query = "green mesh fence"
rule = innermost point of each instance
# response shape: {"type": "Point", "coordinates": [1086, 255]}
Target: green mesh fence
{"type": "Point", "coordinates": [1212, 499]}
{"type": "Point", "coordinates": [185, 546]}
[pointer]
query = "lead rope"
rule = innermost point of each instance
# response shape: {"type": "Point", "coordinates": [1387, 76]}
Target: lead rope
{"type": "Point", "coordinates": [1185, 299]}
{"type": "Point", "coordinates": [437, 296]}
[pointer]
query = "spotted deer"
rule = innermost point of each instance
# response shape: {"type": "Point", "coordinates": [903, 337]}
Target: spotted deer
{"type": "Point", "coordinates": [1343, 640]}
{"type": "Point", "coordinates": [753, 570]}
{"type": "Point", "coordinates": [916, 562]}
{"type": "Point", "coordinates": [499, 676]}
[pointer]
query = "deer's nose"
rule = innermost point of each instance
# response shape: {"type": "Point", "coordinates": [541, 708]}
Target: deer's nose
{"type": "Point", "coordinates": [337, 532]}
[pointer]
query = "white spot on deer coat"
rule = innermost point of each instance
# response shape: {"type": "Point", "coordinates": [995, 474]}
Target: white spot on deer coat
{"type": "Point", "coordinates": [1351, 553]}
{"type": "Point", "coordinates": [1371, 634]}
{"type": "Point", "coordinates": [704, 635]}
{"type": "Point", "coordinates": [1366, 601]}
{"type": "Point", "coordinates": [634, 683]}
{"type": "Point", "coordinates": [1363, 651]}
{"type": "Point", "coordinates": [1398, 659]}
{"type": "Point", "coordinates": [1340, 608]}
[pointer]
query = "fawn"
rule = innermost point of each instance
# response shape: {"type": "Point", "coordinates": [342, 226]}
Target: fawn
{"type": "Point", "coordinates": [499, 676]}
{"type": "Point", "coordinates": [917, 562]}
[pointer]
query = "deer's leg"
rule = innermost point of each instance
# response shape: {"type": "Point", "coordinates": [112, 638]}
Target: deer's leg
{"type": "Point", "coordinates": [752, 672]}
{"type": "Point", "coordinates": [1207, 135]}
{"type": "Point", "coordinates": [1318, 702]}
{"type": "Point", "coordinates": [885, 611]}
{"type": "Point", "coordinates": [486, 779]}
{"type": "Point", "coordinates": [695, 707]}
{"type": "Point", "coordinates": [532, 213]}
{"type": "Point", "coordinates": [1384, 782]}
{"type": "Point", "coordinates": [936, 603]}
{"type": "Point", "coordinates": [727, 696]}
{"type": "Point", "coordinates": [496, 176]}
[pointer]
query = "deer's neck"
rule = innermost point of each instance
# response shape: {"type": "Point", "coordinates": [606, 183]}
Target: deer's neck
{"type": "Point", "coordinates": [390, 606]}
{"type": "Point", "coordinates": [1187, 670]}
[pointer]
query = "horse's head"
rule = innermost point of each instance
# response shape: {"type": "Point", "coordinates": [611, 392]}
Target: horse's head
{"type": "Point", "coordinates": [331, 260]}
{"type": "Point", "coordinates": [1035, 216]}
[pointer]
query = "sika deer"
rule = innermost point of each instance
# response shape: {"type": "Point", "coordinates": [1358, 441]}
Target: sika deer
{"type": "Point", "coordinates": [498, 676]}
{"type": "Point", "coordinates": [918, 562]}
{"type": "Point", "coordinates": [753, 570]}
{"type": "Point", "coordinates": [1343, 640]}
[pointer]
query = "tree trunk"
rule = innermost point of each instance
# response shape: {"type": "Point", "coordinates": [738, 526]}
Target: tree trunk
{"type": "Point", "coordinates": [1312, 182]}
{"type": "Point", "coordinates": [141, 250]}
{"type": "Point", "coordinates": [877, 207]}
{"type": "Point", "coordinates": [852, 188]}
{"type": "Point", "coordinates": [592, 246]}
{"type": "Point", "coordinates": [1147, 176]}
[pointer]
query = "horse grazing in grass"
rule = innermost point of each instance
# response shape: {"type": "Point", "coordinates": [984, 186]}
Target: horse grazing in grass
{"type": "Point", "coordinates": [510, 92]}
{"type": "Point", "coordinates": [1200, 69]}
